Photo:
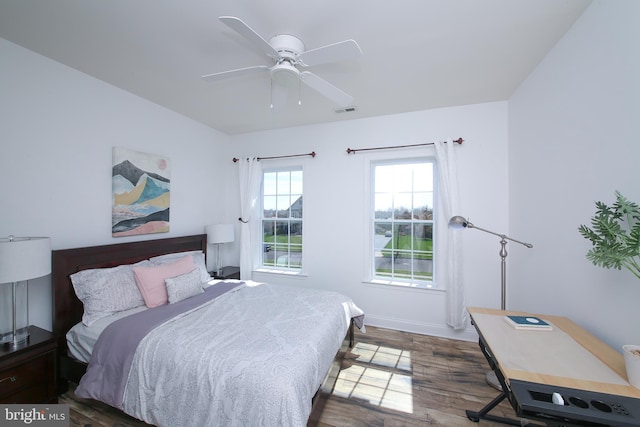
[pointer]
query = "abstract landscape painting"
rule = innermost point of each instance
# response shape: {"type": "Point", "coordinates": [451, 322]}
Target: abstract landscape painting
{"type": "Point", "coordinates": [140, 183]}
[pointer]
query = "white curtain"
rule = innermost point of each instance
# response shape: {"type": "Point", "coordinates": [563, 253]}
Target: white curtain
{"type": "Point", "coordinates": [449, 244]}
{"type": "Point", "coordinates": [250, 180]}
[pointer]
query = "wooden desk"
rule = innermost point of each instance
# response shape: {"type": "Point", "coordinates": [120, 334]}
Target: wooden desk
{"type": "Point", "coordinates": [567, 360]}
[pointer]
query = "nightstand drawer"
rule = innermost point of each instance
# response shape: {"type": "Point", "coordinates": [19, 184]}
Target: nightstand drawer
{"type": "Point", "coordinates": [28, 372]}
{"type": "Point", "coordinates": [39, 393]}
{"type": "Point", "coordinates": [23, 376]}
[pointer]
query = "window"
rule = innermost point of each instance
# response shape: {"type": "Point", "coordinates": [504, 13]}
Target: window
{"type": "Point", "coordinates": [402, 221]}
{"type": "Point", "coordinates": [282, 219]}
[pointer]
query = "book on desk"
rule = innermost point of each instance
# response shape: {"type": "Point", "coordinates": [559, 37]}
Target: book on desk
{"type": "Point", "coordinates": [528, 323]}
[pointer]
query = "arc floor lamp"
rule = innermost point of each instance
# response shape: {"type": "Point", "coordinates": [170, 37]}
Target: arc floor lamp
{"type": "Point", "coordinates": [459, 222]}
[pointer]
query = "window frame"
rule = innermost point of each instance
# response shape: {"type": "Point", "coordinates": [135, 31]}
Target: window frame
{"type": "Point", "coordinates": [370, 263]}
{"type": "Point", "coordinates": [268, 268]}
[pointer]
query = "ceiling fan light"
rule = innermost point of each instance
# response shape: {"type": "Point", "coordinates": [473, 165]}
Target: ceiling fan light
{"type": "Point", "coordinates": [285, 74]}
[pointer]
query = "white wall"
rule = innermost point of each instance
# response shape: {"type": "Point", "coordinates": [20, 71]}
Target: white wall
{"type": "Point", "coordinates": [57, 130]}
{"type": "Point", "coordinates": [335, 209]}
{"type": "Point", "coordinates": [574, 139]}
{"type": "Point", "coordinates": [531, 168]}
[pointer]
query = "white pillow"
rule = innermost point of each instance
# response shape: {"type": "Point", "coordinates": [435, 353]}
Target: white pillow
{"type": "Point", "coordinates": [105, 291]}
{"type": "Point", "coordinates": [184, 286]}
{"type": "Point", "coordinates": [198, 261]}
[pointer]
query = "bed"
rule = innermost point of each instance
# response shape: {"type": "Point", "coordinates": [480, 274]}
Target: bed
{"type": "Point", "coordinates": [235, 353]}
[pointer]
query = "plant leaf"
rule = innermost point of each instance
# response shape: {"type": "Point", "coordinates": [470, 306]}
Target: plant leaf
{"type": "Point", "coordinates": [615, 235]}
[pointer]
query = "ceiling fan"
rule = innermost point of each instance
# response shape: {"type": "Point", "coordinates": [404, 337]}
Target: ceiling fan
{"type": "Point", "coordinates": [289, 55]}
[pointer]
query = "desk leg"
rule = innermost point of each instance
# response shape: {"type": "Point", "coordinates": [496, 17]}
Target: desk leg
{"type": "Point", "coordinates": [483, 414]}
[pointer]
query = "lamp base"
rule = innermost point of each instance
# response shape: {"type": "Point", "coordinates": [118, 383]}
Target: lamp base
{"type": "Point", "coordinates": [218, 263]}
{"type": "Point", "coordinates": [20, 339]}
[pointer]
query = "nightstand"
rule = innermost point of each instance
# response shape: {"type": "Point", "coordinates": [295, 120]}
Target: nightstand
{"type": "Point", "coordinates": [28, 373]}
{"type": "Point", "coordinates": [228, 272]}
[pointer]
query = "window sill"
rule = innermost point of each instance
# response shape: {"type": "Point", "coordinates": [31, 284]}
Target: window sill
{"type": "Point", "coordinates": [288, 273]}
{"type": "Point", "coordinates": [402, 285]}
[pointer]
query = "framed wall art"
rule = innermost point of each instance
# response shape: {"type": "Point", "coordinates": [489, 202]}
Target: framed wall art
{"type": "Point", "coordinates": [141, 190]}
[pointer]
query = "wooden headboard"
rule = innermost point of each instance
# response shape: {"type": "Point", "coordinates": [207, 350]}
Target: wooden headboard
{"type": "Point", "coordinates": [67, 308]}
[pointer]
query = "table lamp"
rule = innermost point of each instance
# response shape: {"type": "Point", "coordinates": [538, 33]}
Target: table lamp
{"type": "Point", "coordinates": [21, 259]}
{"type": "Point", "coordinates": [459, 222]}
{"type": "Point", "coordinates": [218, 234]}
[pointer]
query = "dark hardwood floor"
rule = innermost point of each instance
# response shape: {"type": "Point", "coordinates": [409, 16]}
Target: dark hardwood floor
{"type": "Point", "coordinates": [389, 378]}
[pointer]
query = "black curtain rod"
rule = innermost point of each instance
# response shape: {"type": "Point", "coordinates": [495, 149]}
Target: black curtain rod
{"type": "Point", "coordinates": [312, 154]}
{"type": "Point", "coordinates": [354, 150]}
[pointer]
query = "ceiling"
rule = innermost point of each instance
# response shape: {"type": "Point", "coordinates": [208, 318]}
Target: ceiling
{"type": "Point", "coordinates": [417, 54]}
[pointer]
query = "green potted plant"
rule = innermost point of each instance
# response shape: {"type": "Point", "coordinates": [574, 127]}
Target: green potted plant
{"type": "Point", "coordinates": [615, 236]}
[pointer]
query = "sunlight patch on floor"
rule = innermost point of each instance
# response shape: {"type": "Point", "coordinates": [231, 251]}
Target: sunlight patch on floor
{"type": "Point", "coordinates": [378, 386]}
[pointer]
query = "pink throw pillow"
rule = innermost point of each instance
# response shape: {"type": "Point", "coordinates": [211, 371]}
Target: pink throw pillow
{"type": "Point", "coordinates": [150, 280]}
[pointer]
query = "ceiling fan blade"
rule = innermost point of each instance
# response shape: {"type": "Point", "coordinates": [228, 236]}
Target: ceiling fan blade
{"type": "Point", "coordinates": [248, 33]}
{"type": "Point", "coordinates": [326, 89]}
{"type": "Point", "coordinates": [235, 73]}
{"type": "Point", "coordinates": [341, 51]}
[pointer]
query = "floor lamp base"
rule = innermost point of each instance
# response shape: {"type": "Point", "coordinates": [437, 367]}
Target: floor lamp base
{"type": "Point", "coordinates": [492, 380]}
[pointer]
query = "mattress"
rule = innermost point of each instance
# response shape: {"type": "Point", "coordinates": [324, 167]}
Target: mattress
{"type": "Point", "coordinates": [81, 338]}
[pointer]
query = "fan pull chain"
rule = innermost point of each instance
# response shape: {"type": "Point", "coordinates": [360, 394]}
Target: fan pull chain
{"type": "Point", "coordinates": [271, 94]}
{"type": "Point", "coordinates": [299, 90]}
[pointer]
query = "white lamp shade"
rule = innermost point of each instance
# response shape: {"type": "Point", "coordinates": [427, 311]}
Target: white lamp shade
{"type": "Point", "coordinates": [219, 233]}
{"type": "Point", "coordinates": [24, 258]}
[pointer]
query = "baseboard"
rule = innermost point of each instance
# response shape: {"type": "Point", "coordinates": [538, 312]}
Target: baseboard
{"type": "Point", "coordinates": [438, 330]}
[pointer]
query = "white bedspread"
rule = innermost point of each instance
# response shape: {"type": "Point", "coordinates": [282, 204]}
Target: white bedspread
{"type": "Point", "coordinates": [252, 357]}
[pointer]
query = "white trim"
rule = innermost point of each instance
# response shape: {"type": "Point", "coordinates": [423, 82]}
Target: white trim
{"type": "Point", "coordinates": [426, 153]}
{"type": "Point", "coordinates": [432, 329]}
{"type": "Point", "coordinates": [277, 165]}
{"type": "Point", "coordinates": [278, 272]}
{"type": "Point", "coordinates": [395, 284]}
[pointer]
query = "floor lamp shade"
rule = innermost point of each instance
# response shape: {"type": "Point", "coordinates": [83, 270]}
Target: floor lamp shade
{"type": "Point", "coordinates": [21, 259]}
{"type": "Point", "coordinates": [218, 234]}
